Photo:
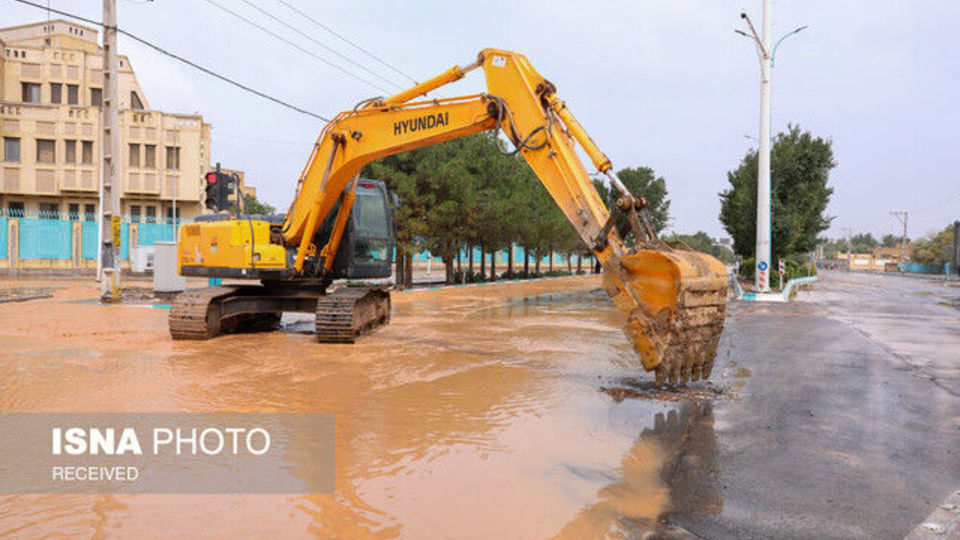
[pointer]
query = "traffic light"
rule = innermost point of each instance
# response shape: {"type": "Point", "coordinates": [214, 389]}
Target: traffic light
{"type": "Point", "coordinates": [226, 189]}
{"type": "Point", "coordinates": [212, 188]}
{"type": "Point", "coordinates": [219, 187]}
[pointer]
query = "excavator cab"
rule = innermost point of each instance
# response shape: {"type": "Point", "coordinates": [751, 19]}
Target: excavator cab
{"type": "Point", "coordinates": [366, 249]}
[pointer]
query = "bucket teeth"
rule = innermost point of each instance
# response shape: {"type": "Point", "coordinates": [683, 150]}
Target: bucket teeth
{"type": "Point", "coordinates": [676, 303]}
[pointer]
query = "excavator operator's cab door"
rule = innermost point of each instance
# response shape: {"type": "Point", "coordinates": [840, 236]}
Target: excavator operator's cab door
{"type": "Point", "coordinates": [366, 250]}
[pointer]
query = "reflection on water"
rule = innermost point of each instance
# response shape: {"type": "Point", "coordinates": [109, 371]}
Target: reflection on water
{"type": "Point", "coordinates": [669, 473]}
{"type": "Point", "coordinates": [471, 415]}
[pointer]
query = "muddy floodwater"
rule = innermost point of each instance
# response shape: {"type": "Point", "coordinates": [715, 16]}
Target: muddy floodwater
{"type": "Point", "coordinates": [479, 412]}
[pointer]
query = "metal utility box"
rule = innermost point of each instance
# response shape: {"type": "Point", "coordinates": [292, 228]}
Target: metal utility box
{"type": "Point", "coordinates": [165, 276]}
{"type": "Point", "coordinates": [141, 259]}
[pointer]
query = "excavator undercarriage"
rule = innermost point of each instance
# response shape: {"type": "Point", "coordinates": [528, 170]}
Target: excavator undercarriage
{"type": "Point", "coordinates": [341, 315]}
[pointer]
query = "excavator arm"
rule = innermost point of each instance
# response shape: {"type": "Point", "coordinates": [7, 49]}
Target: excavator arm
{"type": "Point", "coordinates": [674, 298]}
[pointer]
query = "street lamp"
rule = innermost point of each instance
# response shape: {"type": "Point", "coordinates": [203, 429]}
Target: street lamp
{"type": "Point", "coordinates": [773, 55]}
{"type": "Point", "coordinates": [765, 55]}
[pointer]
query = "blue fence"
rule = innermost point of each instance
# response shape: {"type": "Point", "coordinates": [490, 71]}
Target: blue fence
{"type": "Point", "coordinates": [518, 253]}
{"type": "Point", "coordinates": [42, 238]}
{"type": "Point", "coordinates": [50, 238]}
{"type": "Point", "coordinates": [148, 233]}
{"type": "Point", "coordinates": [3, 237]}
{"type": "Point", "coordinates": [921, 268]}
{"type": "Point", "coordinates": [88, 240]}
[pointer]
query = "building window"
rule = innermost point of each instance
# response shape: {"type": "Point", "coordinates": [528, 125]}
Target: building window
{"type": "Point", "coordinates": [46, 151]}
{"type": "Point", "coordinates": [11, 149]}
{"type": "Point", "coordinates": [135, 155]}
{"type": "Point", "coordinates": [50, 210]}
{"type": "Point", "coordinates": [74, 212]}
{"type": "Point", "coordinates": [150, 156]}
{"type": "Point", "coordinates": [173, 158]}
{"type": "Point", "coordinates": [70, 151]}
{"type": "Point", "coordinates": [73, 94]}
{"type": "Point", "coordinates": [14, 209]}
{"type": "Point", "coordinates": [56, 92]}
{"type": "Point", "coordinates": [170, 214]}
{"type": "Point", "coordinates": [135, 102]}
{"type": "Point", "coordinates": [135, 213]}
{"type": "Point", "coordinates": [96, 97]}
{"type": "Point", "coordinates": [87, 153]}
{"type": "Point", "coordinates": [89, 212]}
{"type": "Point", "coordinates": [151, 214]}
{"type": "Point", "coordinates": [30, 92]}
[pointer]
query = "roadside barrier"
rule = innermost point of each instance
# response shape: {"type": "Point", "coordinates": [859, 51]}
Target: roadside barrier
{"type": "Point", "coordinates": [781, 296]}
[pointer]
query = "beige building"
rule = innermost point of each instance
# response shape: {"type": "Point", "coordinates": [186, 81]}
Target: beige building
{"type": "Point", "coordinates": [244, 188]}
{"type": "Point", "coordinates": [880, 260]}
{"type": "Point", "coordinates": [50, 90]}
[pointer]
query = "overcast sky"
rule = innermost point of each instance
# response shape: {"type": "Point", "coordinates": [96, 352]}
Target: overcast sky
{"type": "Point", "coordinates": [664, 84]}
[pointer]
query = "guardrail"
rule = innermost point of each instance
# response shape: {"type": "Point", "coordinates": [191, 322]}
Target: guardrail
{"type": "Point", "coordinates": [780, 296]}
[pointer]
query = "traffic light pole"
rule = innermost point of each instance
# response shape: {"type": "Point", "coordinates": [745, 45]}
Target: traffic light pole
{"type": "Point", "coordinates": [110, 221]}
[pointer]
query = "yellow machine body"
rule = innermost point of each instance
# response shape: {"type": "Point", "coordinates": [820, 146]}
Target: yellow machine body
{"type": "Point", "coordinates": [226, 244]}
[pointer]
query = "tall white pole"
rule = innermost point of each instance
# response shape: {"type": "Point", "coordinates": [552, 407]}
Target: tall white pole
{"type": "Point", "coordinates": [762, 280]}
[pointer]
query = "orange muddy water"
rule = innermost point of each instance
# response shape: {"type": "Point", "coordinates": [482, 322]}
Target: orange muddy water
{"type": "Point", "coordinates": [477, 413]}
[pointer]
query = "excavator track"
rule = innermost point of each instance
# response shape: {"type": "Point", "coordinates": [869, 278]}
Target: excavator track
{"type": "Point", "coordinates": [350, 312]}
{"type": "Point", "coordinates": [195, 313]}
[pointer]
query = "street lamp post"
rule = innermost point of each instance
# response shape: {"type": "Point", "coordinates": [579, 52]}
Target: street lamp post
{"type": "Point", "coordinates": [765, 54]}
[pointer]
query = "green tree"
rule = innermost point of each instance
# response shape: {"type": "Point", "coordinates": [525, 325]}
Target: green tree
{"type": "Point", "coordinates": [702, 242]}
{"type": "Point", "coordinates": [891, 240]}
{"type": "Point", "coordinates": [831, 248]}
{"type": "Point", "coordinates": [252, 205]}
{"type": "Point", "coordinates": [936, 249]}
{"type": "Point", "coordinates": [800, 165]}
{"type": "Point", "coordinates": [863, 243]}
{"type": "Point", "coordinates": [641, 182]}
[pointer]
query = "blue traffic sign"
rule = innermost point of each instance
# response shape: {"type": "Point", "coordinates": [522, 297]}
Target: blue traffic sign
{"type": "Point", "coordinates": [762, 266]}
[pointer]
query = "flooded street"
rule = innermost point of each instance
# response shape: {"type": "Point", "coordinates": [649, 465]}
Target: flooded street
{"type": "Point", "coordinates": [519, 411]}
{"type": "Point", "coordinates": [476, 413]}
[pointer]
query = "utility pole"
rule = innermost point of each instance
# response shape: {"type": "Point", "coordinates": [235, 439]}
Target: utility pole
{"type": "Point", "coordinates": [110, 149]}
{"type": "Point", "coordinates": [902, 216]}
{"type": "Point", "coordinates": [176, 145]}
{"type": "Point", "coordinates": [849, 249]}
{"type": "Point", "coordinates": [956, 247]}
{"type": "Point", "coordinates": [762, 272]}
{"type": "Point", "coordinates": [766, 56]}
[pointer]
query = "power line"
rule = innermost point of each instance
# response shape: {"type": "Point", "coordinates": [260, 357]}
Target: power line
{"type": "Point", "coordinates": [182, 59]}
{"type": "Point", "coordinates": [311, 38]}
{"type": "Point", "coordinates": [354, 45]}
{"type": "Point", "coordinates": [298, 47]}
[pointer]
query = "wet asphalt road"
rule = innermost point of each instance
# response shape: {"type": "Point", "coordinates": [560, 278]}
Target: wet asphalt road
{"type": "Point", "coordinates": [517, 411]}
{"type": "Point", "coordinates": [847, 423]}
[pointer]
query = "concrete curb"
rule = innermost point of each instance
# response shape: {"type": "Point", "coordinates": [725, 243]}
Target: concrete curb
{"type": "Point", "coordinates": [779, 297]}
{"type": "Point", "coordinates": [944, 522]}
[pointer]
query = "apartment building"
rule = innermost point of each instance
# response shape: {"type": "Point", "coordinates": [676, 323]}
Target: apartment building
{"type": "Point", "coordinates": [51, 83]}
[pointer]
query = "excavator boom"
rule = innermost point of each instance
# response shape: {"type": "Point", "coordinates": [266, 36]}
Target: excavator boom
{"type": "Point", "coordinates": [674, 298]}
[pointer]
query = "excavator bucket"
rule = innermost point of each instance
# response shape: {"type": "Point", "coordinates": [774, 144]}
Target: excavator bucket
{"type": "Point", "coordinates": [675, 301]}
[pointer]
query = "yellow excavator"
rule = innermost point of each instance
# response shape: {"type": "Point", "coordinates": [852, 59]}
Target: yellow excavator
{"type": "Point", "coordinates": [341, 226]}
